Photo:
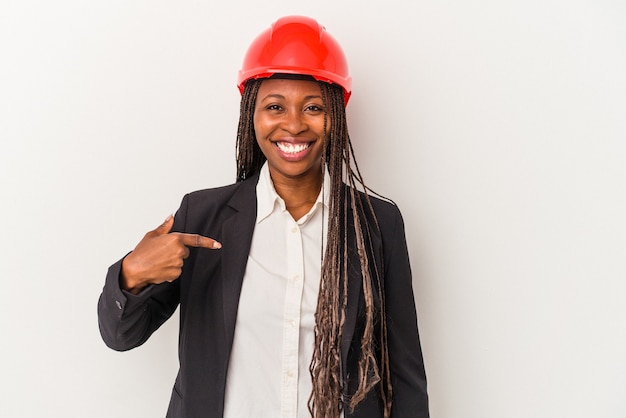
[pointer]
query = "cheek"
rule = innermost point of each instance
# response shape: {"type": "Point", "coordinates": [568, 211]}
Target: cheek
{"type": "Point", "coordinates": [261, 127]}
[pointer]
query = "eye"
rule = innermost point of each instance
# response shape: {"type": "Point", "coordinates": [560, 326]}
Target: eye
{"type": "Point", "coordinates": [274, 107]}
{"type": "Point", "coordinates": [314, 108]}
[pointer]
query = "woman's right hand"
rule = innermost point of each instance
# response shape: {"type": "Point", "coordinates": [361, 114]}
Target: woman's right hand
{"type": "Point", "coordinates": [159, 257]}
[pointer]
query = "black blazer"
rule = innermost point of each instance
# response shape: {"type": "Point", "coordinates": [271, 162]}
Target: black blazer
{"type": "Point", "coordinates": [208, 293]}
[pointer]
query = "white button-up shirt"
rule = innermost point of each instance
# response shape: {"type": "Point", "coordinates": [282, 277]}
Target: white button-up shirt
{"type": "Point", "coordinates": [268, 374]}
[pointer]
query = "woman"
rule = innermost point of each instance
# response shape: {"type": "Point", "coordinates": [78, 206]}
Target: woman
{"type": "Point", "coordinates": [301, 303]}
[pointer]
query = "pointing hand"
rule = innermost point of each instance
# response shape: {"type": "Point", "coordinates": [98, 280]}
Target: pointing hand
{"type": "Point", "coordinates": [159, 256]}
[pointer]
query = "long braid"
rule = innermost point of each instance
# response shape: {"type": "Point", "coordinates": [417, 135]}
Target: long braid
{"type": "Point", "coordinates": [250, 159]}
{"type": "Point", "coordinates": [346, 206]}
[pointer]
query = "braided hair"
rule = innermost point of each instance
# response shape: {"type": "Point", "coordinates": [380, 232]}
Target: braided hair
{"type": "Point", "coordinates": [347, 207]}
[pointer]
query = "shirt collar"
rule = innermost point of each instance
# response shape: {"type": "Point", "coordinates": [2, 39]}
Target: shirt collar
{"type": "Point", "coordinates": [268, 199]}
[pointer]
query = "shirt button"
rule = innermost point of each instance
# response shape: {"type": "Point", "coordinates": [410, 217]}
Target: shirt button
{"type": "Point", "coordinates": [119, 305]}
{"type": "Point", "coordinates": [293, 323]}
{"type": "Point", "coordinates": [296, 277]}
{"type": "Point", "coordinates": [289, 373]}
{"type": "Point", "coordinates": [294, 230]}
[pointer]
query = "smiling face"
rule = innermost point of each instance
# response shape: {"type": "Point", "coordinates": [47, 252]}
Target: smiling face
{"type": "Point", "coordinates": [289, 128]}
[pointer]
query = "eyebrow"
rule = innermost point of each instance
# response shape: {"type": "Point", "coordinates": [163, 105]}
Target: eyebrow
{"type": "Point", "coordinates": [280, 96]}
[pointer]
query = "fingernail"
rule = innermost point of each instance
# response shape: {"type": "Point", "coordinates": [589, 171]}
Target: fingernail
{"type": "Point", "coordinates": [217, 245]}
{"type": "Point", "coordinates": [170, 216]}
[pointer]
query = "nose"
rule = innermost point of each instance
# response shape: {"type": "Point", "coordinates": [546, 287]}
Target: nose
{"type": "Point", "coordinates": [294, 122]}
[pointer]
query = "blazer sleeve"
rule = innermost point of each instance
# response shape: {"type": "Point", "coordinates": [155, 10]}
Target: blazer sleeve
{"type": "Point", "coordinates": [126, 320]}
{"type": "Point", "coordinates": [408, 376]}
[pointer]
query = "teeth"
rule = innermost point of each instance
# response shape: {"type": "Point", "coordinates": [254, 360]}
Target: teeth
{"type": "Point", "coordinates": [291, 148]}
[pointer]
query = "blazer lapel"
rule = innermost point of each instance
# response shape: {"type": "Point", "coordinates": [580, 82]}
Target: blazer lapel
{"type": "Point", "coordinates": [237, 233]}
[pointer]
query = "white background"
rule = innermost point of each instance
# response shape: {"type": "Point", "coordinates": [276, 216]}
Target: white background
{"type": "Point", "coordinates": [498, 127]}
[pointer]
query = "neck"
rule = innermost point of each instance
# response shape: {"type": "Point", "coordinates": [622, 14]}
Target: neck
{"type": "Point", "coordinates": [299, 194]}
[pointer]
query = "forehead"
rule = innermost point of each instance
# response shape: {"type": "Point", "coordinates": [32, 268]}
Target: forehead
{"type": "Point", "coordinates": [289, 88]}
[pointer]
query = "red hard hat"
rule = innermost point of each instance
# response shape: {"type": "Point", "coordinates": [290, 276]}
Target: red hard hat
{"type": "Point", "coordinates": [296, 45]}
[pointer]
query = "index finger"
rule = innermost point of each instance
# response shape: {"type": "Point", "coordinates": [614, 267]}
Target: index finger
{"type": "Point", "coordinates": [196, 240]}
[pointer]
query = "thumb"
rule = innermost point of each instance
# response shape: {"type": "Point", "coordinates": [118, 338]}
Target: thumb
{"type": "Point", "coordinates": [166, 226]}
